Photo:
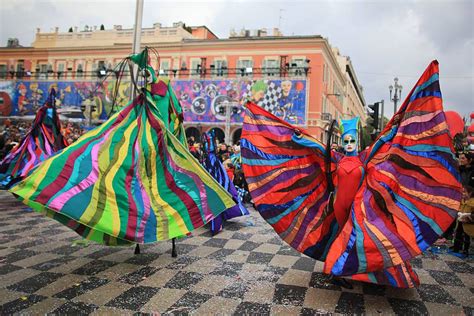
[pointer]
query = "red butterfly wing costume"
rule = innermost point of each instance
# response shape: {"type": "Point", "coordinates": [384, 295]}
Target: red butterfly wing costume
{"type": "Point", "coordinates": [390, 203]}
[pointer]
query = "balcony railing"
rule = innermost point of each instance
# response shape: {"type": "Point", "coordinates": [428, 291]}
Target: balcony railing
{"type": "Point", "coordinates": [183, 73]}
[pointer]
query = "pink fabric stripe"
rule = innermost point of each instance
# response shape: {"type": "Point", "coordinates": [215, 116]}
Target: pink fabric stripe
{"type": "Point", "coordinates": [420, 119]}
{"type": "Point", "coordinates": [199, 183]}
{"type": "Point", "coordinates": [62, 199]}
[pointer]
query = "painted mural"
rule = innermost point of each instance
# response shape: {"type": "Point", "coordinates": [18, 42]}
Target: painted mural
{"type": "Point", "coordinates": [204, 100]}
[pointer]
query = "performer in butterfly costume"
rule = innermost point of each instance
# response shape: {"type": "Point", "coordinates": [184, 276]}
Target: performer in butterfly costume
{"type": "Point", "coordinates": [389, 203]}
{"type": "Point", "coordinates": [215, 168]}
{"type": "Point", "coordinates": [132, 179]}
{"type": "Point", "coordinates": [42, 141]}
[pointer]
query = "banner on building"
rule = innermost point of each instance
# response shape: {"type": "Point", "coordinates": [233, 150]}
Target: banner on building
{"type": "Point", "coordinates": [205, 101]}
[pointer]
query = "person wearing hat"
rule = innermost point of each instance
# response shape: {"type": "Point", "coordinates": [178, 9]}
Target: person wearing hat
{"type": "Point", "coordinates": [465, 223]}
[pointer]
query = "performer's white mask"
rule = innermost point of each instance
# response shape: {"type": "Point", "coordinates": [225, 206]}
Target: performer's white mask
{"type": "Point", "coordinates": [350, 144]}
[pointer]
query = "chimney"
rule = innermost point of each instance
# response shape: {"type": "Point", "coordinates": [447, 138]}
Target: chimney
{"type": "Point", "coordinates": [38, 30]}
{"type": "Point", "coordinates": [56, 29]}
{"type": "Point", "coordinates": [157, 25]}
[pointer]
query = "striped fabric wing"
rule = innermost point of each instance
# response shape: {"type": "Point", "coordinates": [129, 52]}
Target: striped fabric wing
{"type": "Point", "coordinates": [411, 191]}
{"type": "Point", "coordinates": [215, 168]}
{"type": "Point", "coordinates": [170, 111]}
{"type": "Point", "coordinates": [287, 182]}
{"type": "Point", "coordinates": [129, 180]}
{"type": "Point", "coordinates": [42, 141]}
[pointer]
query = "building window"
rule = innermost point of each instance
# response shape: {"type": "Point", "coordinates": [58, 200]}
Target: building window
{"type": "Point", "coordinates": [337, 92]}
{"type": "Point", "coordinates": [80, 71]}
{"type": "Point", "coordinates": [297, 66]}
{"type": "Point", "coordinates": [245, 67]}
{"type": "Point", "coordinates": [270, 67]}
{"type": "Point", "coordinates": [20, 69]}
{"type": "Point", "coordinates": [195, 67]}
{"type": "Point", "coordinates": [219, 68]}
{"type": "Point", "coordinates": [164, 67]}
{"type": "Point", "coordinates": [3, 71]}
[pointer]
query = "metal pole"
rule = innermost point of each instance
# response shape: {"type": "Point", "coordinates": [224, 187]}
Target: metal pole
{"type": "Point", "coordinates": [137, 32]}
{"type": "Point", "coordinates": [137, 35]}
{"type": "Point", "coordinates": [395, 103]}
{"type": "Point", "coordinates": [382, 125]}
{"type": "Point", "coordinates": [90, 112]}
{"type": "Point", "coordinates": [228, 110]}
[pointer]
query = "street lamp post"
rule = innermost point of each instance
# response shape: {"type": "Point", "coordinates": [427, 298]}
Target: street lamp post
{"type": "Point", "coordinates": [329, 117]}
{"type": "Point", "coordinates": [397, 93]}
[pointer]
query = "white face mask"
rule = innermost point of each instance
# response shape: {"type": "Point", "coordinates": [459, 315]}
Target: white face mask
{"type": "Point", "coordinates": [350, 144]}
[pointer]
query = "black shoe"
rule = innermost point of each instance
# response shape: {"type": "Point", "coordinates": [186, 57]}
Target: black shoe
{"type": "Point", "coordinates": [342, 283]}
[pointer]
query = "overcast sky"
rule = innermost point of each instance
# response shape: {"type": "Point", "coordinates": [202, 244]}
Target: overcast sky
{"type": "Point", "coordinates": [384, 38]}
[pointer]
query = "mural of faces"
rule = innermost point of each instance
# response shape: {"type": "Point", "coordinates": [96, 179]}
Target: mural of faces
{"type": "Point", "coordinates": [286, 87]}
{"type": "Point", "coordinates": [284, 98]}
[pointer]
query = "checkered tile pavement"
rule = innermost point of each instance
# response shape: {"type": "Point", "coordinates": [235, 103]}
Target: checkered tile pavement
{"type": "Point", "coordinates": [244, 270]}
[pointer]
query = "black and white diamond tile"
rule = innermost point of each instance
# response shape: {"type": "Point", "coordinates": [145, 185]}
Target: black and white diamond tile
{"type": "Point", "coordinates": [244, 270]}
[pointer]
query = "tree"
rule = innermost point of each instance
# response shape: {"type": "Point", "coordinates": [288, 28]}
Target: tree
{"type": "Point", "coordinates": [102, 27]}
{"type": "Point", "coordinates": [70, 30]}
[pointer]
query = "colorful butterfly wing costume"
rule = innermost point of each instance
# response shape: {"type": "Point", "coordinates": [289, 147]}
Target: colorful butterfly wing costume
{"type": "Point", "coordinates": [130, 180]}
{"type": "Point", "coordinates": [215, 168]}
{"type": "Point", "coordinates": [42, 141]}
{"type": "Point", "coordinates": [403, 191]}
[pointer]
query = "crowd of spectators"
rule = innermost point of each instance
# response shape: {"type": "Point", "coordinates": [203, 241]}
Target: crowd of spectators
{"type": "Point", "coordinates": [230, 158]}
{"type": "Point", "coordinates": [12, 132]}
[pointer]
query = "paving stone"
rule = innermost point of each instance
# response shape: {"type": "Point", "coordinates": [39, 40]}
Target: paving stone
{"type": "Point", "coordinates": [7, 268]}
{"type": "Point", "coordinates": [75, 308]}
{"type": "Point", "coordinates": [461, 267]}
{"type": "Point", "coordinates": [435, 294]}
{"type": "Point", "coordinates": [94, 267]}
{"type": "Point", "coordinates": [81, 288]}
{"type": "Point", "coordinates": [20, 304]}
{"type": "Point", "coordinates": [182, 262]}
{"type": "Point", "coordinates": [188, 302]}
{"type": "Point", "coordinates": [350, 303]}
{"type": "Point", "coordinates": [138, 275]}
{"type": "Point", "coordinates": [184, 280]}
{"type": "Point", "coordinates": [289, 295]}
{"type": "Point", "coordinates": [35, 283]}
{"type": "Point", "coordinates": [218, 306]}
{"type": "Point", "coordinates": [250, 308]}
{"type": "Point", "coordinates": [259, 257]}
{"type": "Point", "coordinates": [248, 246]}
{"type": "Point", "coordinates": [235, 290]}
{"type": "Point", "coordinates": [133, 298]}
{"type": "Point", "coordinates": [215, 242]}
{"type": "Point", "coordinates": [305, 264]}
{"type": "Point", "coordinates": [446, 278]}
{"type": "Point", "coordinates": [163, 300]}
{"type": "Point", "coordinates": [407, 307]}
{"type": "Point", "coordinates": [19, 255]}
{"type": "Point", "coordinates": [143, 258]}
{"type": "Point", "coordinates": [53, 263]}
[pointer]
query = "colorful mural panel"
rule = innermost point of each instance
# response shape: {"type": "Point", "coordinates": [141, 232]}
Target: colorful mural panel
{"type": "Point", "coordinates": [202, 99]}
